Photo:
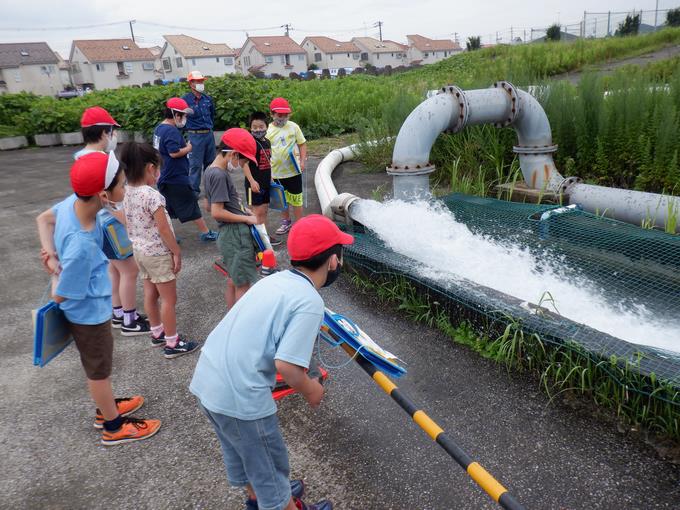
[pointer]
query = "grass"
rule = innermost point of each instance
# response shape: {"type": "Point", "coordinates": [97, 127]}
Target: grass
{"type": "Point", "coordinates": [637, 401]}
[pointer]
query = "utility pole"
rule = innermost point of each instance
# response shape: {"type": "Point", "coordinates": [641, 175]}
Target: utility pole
{"type": "Point", "coordinates": [288, 28]}
{"type": "Point", "coordinates": [609, 23]}
{"type": "Point", "coordinates": [656, 15]}
{"type": "Point", "coordinates": [132, 32]}
{"type": "Point", "coordinates": [379, 24]}
{"type": "Point", "coordinates": [512, 35]}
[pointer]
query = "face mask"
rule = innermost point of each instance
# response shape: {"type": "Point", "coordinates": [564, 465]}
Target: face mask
{"type": "Point", "coordinates": [232, 168]}
{"type": "Point", "coordinates": [332, 275]}
{"type": "Point", "coordinates": [116, 206]}
{"type": "Point", "coordinates": [259, 133]}
{"type": "Point", "coordinates": [111, 146]}
{"type": "Point", "coordinates": [200, 87]}
{"type": "Point", "coordinates": [181, 123]}
{"type": "Point", "coordinates": [280, 122]}
{"type": "Point", "coordinates": [156, 176]}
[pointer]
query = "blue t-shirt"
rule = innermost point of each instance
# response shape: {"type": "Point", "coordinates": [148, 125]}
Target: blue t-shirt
{"type": "Point", "coordinates": [167, 140]}
{"type": "Point", "coordinates": [204, 111]}
{"type": "Point", "coordinates": [278, 318]}
{"type": "Point", "coordinates": [84, 279]}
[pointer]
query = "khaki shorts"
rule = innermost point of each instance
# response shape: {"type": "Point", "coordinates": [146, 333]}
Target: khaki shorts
{"type": "Point", "coordinates": [238, 253]}
{"type": "Point", "coordinates": [95, 345]}
{"type": "Point", "coordinates": [158, 268]}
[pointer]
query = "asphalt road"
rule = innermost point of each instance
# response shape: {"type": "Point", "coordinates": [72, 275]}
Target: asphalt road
{"type": "Point", "coordinates": [358, 449]}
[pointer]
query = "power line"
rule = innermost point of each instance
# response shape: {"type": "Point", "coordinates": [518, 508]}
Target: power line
{"type": "Point", "coordinates": [79, 27]}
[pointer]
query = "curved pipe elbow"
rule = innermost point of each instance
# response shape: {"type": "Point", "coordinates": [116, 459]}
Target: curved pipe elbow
{"type": "Point", "coordinates": [532, 124]}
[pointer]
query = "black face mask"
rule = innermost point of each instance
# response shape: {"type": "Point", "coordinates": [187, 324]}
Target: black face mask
{"type": "Point", "coordinates": [332, 275]}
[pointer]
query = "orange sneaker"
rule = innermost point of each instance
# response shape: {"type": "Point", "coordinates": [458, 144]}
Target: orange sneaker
{"type": "Point", "coordinates": [133, 429]}
{"type": "Point", "coordinates": [126, 406]}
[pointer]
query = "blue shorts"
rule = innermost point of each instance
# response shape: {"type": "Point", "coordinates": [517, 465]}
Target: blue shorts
{"type": "Point", "coordinates": [255, 453]}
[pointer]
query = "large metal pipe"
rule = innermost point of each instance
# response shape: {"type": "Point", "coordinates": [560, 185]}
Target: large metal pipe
{"type": "Point", "coordinates": [637, 207]}
{"type": "Point", "coordinates": [452, 109]}
{"type": "Point", "coordinates": [335, 206]}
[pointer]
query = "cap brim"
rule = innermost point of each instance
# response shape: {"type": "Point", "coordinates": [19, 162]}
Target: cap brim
{"type": "Point", "coordinates": [345, 239]}
{"type": "Point", "coordinates": [188, 111]}
{"type": "Point", "coordinates": [112, 166]}
{"type": "Point", "coordinates": [282, 110]}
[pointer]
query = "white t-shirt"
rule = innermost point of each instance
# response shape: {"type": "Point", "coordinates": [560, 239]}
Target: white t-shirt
{"type": "Point", "coordinates": [278, 318]}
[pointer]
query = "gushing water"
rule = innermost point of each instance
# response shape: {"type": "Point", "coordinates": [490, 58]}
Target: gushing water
{"type": "Point", "coordinates": [448, 250]}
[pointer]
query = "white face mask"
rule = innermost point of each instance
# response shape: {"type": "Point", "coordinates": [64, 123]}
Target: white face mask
{"type": "Point", "coordinates": [200, 87]}
{"type": "Point", "coordinates": [113, 142]}
{"type": "Point", "coordinates": [181, 123]}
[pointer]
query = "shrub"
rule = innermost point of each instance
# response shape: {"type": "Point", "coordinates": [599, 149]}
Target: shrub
{"type": "Point", "coordinates": [473, 43]}
{"type": "Point", "coordinates": [629, 26]}
{"type": "Point", "coordinates": [554, 33]}
{"type": "Point", "coordinates": [673, 18]}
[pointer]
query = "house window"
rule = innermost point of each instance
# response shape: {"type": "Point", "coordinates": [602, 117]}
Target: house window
{"type": "Point", "coordinates": [47, 70]}
{"type": "Point", "coordinates": [392, 54]}
{"type": "Point", "coordinates": [355, 56]}
{"type": "Point", "coordinates": [331, 57]}
{"type": "Point", "coordinates": [317, 57]}
{"type": "Point", "coordinates": [268, 60]}
{"type": "Point", "coordinates": [178, 62]}
{"type": "Point", "coordinates": [425, 55]}
{"type": "Point", "coordinates": [301, 57]}
{"type": "Point", "coordinates": [175, 50]}
{"type": "Point", "coordinates": [121, 68]}
{"type": "Point", "coordinates": [246, 62]}
{"type": "Point", "coordinates": [287, 59]}
{"type": "Point", "coordinates": [228, 61]}
{"type": "Point", "coordinates": [99, 67]}
{"type": "Point", "coordinates": [283, 59]}
{"type": "Point", "coordinates": [128, 67]}
{"type": "Point", "coordinates": [364, 56]}
{"type": "Point", "coordinates": [17, 76]}
{"type": "Point", "coordinates": [377, 56]}
{"type": "Point", "coordinates": [193, 61]}
{"type": "Point", "coordinates": [167, 64]}
{"type": "Point", "coordinates": [147, 66]}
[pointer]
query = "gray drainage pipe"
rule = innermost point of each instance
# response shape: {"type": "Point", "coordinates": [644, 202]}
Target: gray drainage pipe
{"type": "Point", "coordinates": [453, 109]}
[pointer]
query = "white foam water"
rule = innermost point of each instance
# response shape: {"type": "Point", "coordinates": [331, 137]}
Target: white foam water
{"type": "Point", "coordinates": [448, 250]}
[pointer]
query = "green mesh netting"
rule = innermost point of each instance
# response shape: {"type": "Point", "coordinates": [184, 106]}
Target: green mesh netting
{"type": "Point", "coordinates": [623, 259]}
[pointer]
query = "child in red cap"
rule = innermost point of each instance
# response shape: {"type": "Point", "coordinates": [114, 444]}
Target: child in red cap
{"type": "Point", "coordinates": [83, 290]}
{"type": "Point", "coordinates": [236, 149]}
{"type": "Point", "coordinates": [272, 328]}
{"type": "Point", "coordinates": [289, 156]}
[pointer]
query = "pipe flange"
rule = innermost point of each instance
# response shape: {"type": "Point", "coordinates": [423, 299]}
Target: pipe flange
{"type": "Point", "coordinates": [458, 123]}
{"type": "Point", "coordinates": [410, 169]}
{"type": "Point", "coordinates": [514, 99]}
{"type": "Point", "coordinates": [341, 204]}
{"type": "Point", "coordinates": [534, 149]}
{"type": "Point", "coordinates": [567, 183]}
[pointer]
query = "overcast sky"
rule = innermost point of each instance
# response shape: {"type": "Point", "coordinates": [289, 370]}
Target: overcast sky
{"type": "Point", "coordinates": [227, 21]}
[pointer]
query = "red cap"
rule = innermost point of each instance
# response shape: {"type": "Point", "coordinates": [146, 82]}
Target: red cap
{"type": "Point", "coordinates": [179, 104]}
{"type": "Point", "coordinates": [195, 76]}
{"type": "Point", "coordinates": [279, 105]}
{"type": "Point", "coordinates": [313, 234]}
{"type": "Point", "coordinates": [241, 141]}
{"type": "Point", "coordinates": [93, 173]}
{"type": "Point", "coordinates": [97, 116]}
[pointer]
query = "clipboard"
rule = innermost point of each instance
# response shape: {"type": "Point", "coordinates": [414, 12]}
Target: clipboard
{"type": "Point", "coordinates": [277, 197]}
{"type": "Point", "coordinates": [51, 334]}
{"type": "Point", "coordinates": [116, 234]}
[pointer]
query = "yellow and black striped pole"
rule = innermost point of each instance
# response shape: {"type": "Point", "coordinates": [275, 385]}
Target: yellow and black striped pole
{"type": "Point", "coordinates": [480, 475]}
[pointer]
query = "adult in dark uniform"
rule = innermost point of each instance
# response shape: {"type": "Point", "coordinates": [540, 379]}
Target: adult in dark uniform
{"type": "Point", "coordinates": [199, 128]}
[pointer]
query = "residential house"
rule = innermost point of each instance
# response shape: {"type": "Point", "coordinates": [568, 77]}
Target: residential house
{"type": "Point", "coordinates": [111, 63]}
{"type": "Point", "coordinates": [271, 55]}
{"type": "Point", "coordinates": [422, 50]}
{"type": "Point", "coordinates": [64, 70]}
{"type": "Point", "coordinates": [381, 53]}
{"type": "Point", "coordinates": [327, 53]}
{"type": "Point", "coordinates": [182, 53]}
{"type": "Point", "coordinates": [29, 67]}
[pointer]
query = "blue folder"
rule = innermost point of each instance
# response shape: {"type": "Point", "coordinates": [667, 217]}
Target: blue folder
{"type": "Point", "coordinates": [277, 197]}
{"type": "Point", "coordinates": [50, 333]}
{"type": "Point", "coordinates": [257, 238]}
{"type": "Point", "coordinates": [337, 329]}
{"type": "Point", "coordinates": [117, 236]}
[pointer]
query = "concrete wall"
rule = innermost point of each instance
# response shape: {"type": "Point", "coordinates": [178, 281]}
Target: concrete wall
{"type": "Point", "coordinates": [32, 78]}
{"type": "Point", "coordinates": [106, 76]}
{"type": "Point", "coordinates": [250, 57]}
{"type": "Point", "coordinates": [209, 66]}
{"type": "Point", "coordinates": [331, 60]}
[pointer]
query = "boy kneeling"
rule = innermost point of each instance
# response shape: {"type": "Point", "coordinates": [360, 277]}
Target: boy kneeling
{"type": "Point", "coordinates": [272, 328]}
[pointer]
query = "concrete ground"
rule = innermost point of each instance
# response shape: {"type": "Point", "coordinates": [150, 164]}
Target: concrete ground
{"type": "Point", "coordinates": [358, 449]}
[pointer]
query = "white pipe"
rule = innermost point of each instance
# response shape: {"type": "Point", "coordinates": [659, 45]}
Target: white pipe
{"type": "Point", "coordinates": [323, 180]}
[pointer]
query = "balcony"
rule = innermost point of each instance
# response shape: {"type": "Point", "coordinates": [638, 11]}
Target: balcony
{"type": "Point", "coordinates": [122, 76]}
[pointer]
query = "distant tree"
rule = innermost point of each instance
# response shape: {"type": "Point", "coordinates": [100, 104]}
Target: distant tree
{"type": "Point", "coordinates": [257, 74]}
{"type": "Point", "coordinates": [312, 67]}
{"type": "Point", "coordinates": [473, 43]}
{"type": "Point", "coordinates": [358, 70]}
{"type": "Point", "coordinates": [342, 72]}
{"type": "Point", "coordinates": [629, 26]}
{"type": "Point", "coordinates": [673, 18]}
{"type": "Point", "coordinates": [325, 74]}
{"type": "Point", "coordinates": [554, 33]}
{"type": "Point", "coordinates": [387, 70]}
{"type": "Point", "coordinates": [294, 76]}
{"type": "Point", "coordinates": [276, 76]}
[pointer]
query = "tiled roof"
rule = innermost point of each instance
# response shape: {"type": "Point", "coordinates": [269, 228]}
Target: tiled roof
{"type": "Point", "coordinates": [376, 46]}
{"type": "Point", "coordinates": [424, 44]}
{"type": "Point", "coordinates": [276, 45]}
{"type": "Point", "coordinates": [328, 45]}
{"type": "Point", "coordinates": [16, 54]}
{"type": "Point", "coordinates": [112, 50]}
{"type": "Point", "coordinates": [190, 47]}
